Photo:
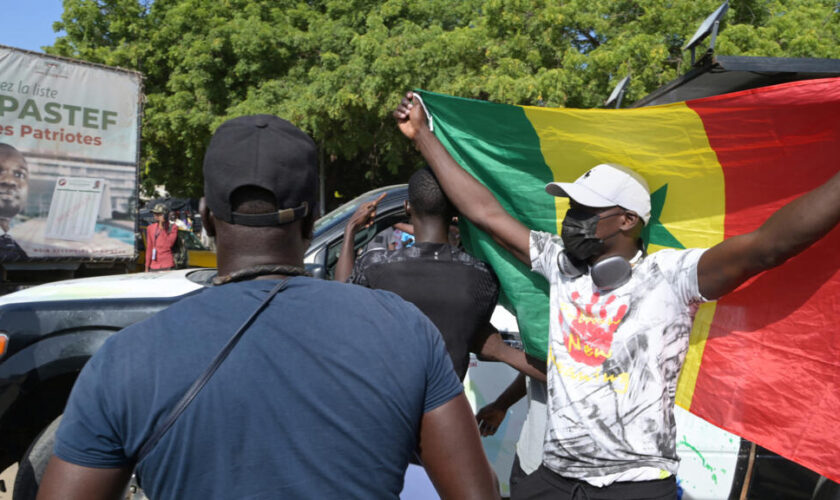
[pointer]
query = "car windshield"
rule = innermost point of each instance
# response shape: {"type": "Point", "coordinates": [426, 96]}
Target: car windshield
{"type": "Point", "coordinates": [344, 211]}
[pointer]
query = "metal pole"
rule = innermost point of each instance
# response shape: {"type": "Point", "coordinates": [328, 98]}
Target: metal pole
{"type": "Point", "coordinates": [322, 195]}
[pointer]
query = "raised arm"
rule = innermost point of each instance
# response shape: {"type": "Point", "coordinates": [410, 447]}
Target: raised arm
{"type": "Point", "coordinates": [789, 231]}
{"type": "Point", "coordinates": [470, 197]}
{"type": "Point", "coordinates": [363, 217]}
{"type": "Point", "coordinates": [451, 451]}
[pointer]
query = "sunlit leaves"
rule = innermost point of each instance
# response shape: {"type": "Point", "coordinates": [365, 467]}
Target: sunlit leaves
{"type": "Point", "coordinates": [336, 68]}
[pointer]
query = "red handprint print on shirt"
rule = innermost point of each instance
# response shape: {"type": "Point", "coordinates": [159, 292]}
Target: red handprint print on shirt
{"type": "Point", "coordinates": [588, 337]}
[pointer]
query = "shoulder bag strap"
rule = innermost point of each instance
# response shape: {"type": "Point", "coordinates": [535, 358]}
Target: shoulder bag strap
{"type": "Point", "coordinates": [199, 383]}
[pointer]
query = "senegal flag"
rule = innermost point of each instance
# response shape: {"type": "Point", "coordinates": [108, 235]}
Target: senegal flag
{"type": "Point", "coordinates": [764, 361]}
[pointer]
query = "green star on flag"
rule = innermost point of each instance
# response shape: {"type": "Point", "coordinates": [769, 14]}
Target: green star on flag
{"type": "Point", "coordinates": [655, 232]}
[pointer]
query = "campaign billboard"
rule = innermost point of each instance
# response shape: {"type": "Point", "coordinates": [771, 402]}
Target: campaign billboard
{"type": "Point", "coordinates": [69, 138]}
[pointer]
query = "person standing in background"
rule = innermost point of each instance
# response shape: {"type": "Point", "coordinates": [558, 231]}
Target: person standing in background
{"type": "Point", "coordinates": [529, 446]}
{"type": "Point", "coordinates": [160, 237]}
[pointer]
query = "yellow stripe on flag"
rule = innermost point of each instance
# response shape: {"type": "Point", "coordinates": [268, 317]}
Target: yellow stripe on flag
{"type": "Point", "coordinates": [668, 146]}
{"type": "Point", "coordinates": [697, 343]}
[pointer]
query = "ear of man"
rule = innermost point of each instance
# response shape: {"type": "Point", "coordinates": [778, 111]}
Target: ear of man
{"type": "Point", "coordinates": [307, 224]}
{"type": "Point", "coordinates": [633, 226]}
{"type": "Point", "coordinates": [207, 218]}
{"type": "Point", "coordinates": [632, 222]}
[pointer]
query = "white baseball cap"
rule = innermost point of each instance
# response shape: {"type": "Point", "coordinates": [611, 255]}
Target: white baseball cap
{"type": "Point", "coordinates": [607, 185]}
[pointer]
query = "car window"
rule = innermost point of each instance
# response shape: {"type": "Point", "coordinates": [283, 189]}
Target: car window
{"type": "Point", "coordinates": [384, 221]}
{"type": "Point", "coordinates": [344, 211]}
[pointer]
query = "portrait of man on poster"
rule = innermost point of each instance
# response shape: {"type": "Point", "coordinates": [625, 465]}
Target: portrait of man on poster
{"type": "Point", "coordinates": [14, 190]}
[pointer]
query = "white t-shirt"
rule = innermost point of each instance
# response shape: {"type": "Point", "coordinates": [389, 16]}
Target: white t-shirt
{"type": "Point", "coordinates": [613, 363]}
{"type": "Point", "coordinates": [529, 448]}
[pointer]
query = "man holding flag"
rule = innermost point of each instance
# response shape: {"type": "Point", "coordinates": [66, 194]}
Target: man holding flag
{"type": "Point", "coordinates": [619, 319]}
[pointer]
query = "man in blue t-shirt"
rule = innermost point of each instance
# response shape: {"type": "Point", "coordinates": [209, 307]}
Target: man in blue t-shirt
{"type": "Point", "coordinates": [307, 404]}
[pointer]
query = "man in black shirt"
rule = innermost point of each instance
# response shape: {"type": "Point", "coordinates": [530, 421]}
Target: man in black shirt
{"type": "Point", "coordinates": [455, 290]}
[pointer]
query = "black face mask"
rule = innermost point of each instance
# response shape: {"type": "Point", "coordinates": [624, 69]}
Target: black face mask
{"type": "Point", "coordinates": [578, 235]}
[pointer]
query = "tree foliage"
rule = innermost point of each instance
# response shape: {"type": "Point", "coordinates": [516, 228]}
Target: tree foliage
{"type": "Point", "coordinates": [337, 68]}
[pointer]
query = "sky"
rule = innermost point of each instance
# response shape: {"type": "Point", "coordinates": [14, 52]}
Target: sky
{"type": "Point", "coordinates": [27, 24]}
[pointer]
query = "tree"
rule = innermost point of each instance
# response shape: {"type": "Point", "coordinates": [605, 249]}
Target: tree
{"type": "Point", "coordinates": [336, 68]}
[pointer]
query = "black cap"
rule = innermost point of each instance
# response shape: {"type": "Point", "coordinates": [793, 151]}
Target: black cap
{"type": "Point", "coordinates": [267, 152]}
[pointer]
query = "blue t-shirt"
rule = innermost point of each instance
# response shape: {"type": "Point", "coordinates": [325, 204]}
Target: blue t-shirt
{"type": "Point", "coordinates": [321, 398]}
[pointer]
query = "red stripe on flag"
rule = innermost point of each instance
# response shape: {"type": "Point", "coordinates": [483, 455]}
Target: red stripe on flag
{"type": "Point", "coordinates": [770, 371]}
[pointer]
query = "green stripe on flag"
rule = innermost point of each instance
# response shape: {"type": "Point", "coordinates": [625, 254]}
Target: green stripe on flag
{"type": "Point", "coordinates": [498, 145]}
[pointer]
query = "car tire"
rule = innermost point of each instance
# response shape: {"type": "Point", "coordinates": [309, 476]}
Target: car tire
{"type": "Point", "coordinates": [826, 490]}
{"type": "Point", "coordinates": [34, 462]}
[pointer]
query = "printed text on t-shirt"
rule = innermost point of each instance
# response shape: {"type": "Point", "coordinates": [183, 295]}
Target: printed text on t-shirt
{"type": "Point", "coordinates": [588, 336]}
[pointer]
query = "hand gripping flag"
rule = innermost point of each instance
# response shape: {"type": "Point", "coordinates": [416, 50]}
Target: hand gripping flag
{"type": "Point", "coordinates": [764, 361]}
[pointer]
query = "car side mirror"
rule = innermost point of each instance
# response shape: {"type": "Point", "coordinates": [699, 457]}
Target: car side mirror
{"type": "Point", "coordinates": [317, 270]}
